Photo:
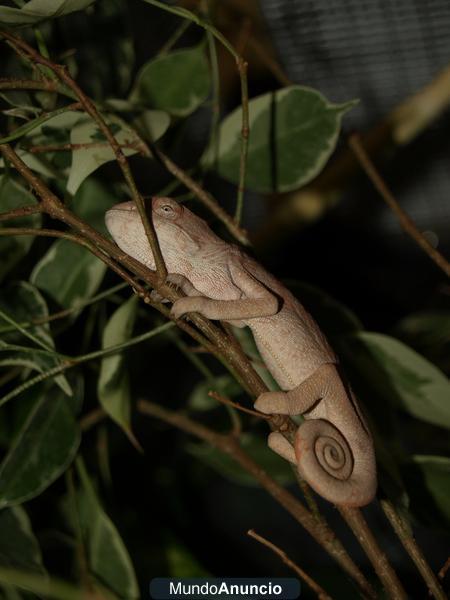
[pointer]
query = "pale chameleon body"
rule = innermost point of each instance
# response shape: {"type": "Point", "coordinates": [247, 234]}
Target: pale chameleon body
{"type": "Point", "coordinates": [333, 447]}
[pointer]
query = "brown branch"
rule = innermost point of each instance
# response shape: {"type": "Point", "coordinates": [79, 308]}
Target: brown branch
{"type": "Point", "coordinates": [355, 520]}
{"type": "Point", "coordinates": [206, 198]}
{"type": "Point", "coordinates": [320, 592]}
{"type": "Point", "coordinates": [91, 419]}
{"type": "Point", "coordinates": [71, 147]}
{"type": "Point", "coordinates": [228, 402]}
{"type": "Point", "coordinates": [63, 75]}
{"type": "Point", "coordinates": [230, 446]}
{"type": "Point", "coordinates": [405, 220]}
{"type": "Point", "coordinates": [411, 547]}
{"type": "Point", "coordinates": [46, 85]}
{"type": "Point", "coordinates": [444, 569]}
{"type": "Point", "coordinates": [400, 126]}
{"type": "Point", "coordinates": [23, 211]}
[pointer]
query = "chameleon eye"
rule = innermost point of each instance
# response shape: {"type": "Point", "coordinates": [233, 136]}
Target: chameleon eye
{"type": "Point", "coordinates": [168, 210]}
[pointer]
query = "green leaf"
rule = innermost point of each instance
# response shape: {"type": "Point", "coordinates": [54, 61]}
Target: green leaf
{"type": "Point", "coordinates": [419, 387]}
{"type": "Point", "coordinates": [86, 160]}
{"type": "Point", "coordinates": [430, 489]}
{"type": "Point", "coordinates": [68, 273]}
{"type": "Point", "coordinates": [257, 448]}
{"type": "Point", "coordinates": [334, 318]}
{"type": "Point", "coordinates": [24, 303]}
{"type": "Point", "coordinates": [178, 82]}
{"type": "Point", "coordinates": [19, 548]}
{"type": "Point", "coordinates": [152, 124]}
{"type": "Point", "coordinates": [224, 384]}
{"type": "Point", "coordinates": [292, 134]}
{"type": "Point", "coordinates": [42, 450]}
{"type": "Point", "coordinates": [13, 249]}
{"type": "Point", "coordinates": [429, 330]}
{"type": "Point", "coordinates": [107, 555]}
{"type": "Point", "coordinates": [113, 382]}
{"type": "Point", "coordinates": [91, 202]}
{"type": "Point", "coordinates": [181, 562]}
{"type": "Point", "coordinates": [41, 585]}
{"type": "Point", "coordinates": [35, 11]}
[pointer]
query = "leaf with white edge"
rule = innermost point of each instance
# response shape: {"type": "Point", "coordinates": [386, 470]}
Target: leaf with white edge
{"type": "Point", "coordinates": [98, 152]}
{"type": "Point", "coordinates": [419, 387]}
{"type": "Point", "coordinates": [19, 549]}
{"type": "Point", "coordinates": [435, 483]}
{"type": "Point", "coordinates": [108, 558]}
{"type": "Point", "coordinates": [43, 448]}
{"type": "Point", "coordinates": [152, 124]}
{"type": "Point", "coordinates": [23, 302]}
{"type": "Point", "coordinates": [36, 11]}
{"type": "Point", "coordinates": [13, 249]}
{"type": "Point", "coordinates": [293, 132]}
{"type": "Point", "coordinates": [178, 82]}
{"type": "Point", "coordinates": [68, 273]}
{"type": "Point", "coordinates": [113, 382]}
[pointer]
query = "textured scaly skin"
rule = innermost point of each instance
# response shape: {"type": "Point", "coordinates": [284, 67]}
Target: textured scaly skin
{"type": "Point", "coordinates": [333, 448]}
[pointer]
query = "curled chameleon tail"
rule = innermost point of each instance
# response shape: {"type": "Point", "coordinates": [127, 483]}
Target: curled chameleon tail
{"type": "Point", "coordinates": [325, 460]}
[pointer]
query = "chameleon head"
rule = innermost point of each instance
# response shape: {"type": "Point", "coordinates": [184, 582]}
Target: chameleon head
{"type": "Point", "coordinates": [180, 233]}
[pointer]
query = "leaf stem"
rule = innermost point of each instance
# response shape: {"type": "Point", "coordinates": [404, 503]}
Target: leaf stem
{"type": "Point", "coordinates": [28, 127]}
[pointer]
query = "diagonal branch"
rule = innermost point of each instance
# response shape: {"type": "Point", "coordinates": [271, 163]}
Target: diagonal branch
{"type": "Point", "coordinates": [63, 75]}
{"type": "Point", "coordinates": [405, 220]}
{"type": "Point", "coordinates": [320, 592]}
{"type": "Point", "coordinates": [229, 445]}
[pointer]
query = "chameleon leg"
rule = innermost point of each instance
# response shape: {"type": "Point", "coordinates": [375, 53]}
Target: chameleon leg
{"type": "Point", "coordinates": [279, 444]}
{"type": "Point", "coordinates": [300, 399]}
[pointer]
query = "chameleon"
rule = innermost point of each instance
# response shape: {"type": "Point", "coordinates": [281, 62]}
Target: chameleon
{"type": "Point", "coordinates": [333, 449]}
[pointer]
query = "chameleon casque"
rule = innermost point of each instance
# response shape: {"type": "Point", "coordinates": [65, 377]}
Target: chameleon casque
{"type": "Point", "coordinates": [333, 448]}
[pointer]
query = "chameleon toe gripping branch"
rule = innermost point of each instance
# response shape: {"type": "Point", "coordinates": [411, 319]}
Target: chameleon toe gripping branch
{"type": "Point", "coordinates": [333, 448]}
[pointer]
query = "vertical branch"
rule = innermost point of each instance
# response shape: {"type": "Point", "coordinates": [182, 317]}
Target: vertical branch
{"type": "Point", "coordinates": [411, 547]}
{"type": "Point", "coordinates": [245, 132]}
{"type": "Point", "coordinates": [242, 71]}
{"type": "Point", "coordinates": [355, 520]}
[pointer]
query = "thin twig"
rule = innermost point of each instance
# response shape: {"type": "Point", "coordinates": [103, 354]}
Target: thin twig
{"type": "Point", "coordinates": [242, 71]}
{"type": "Point", "coordinates": [204, 196]}
{"type": "Point", "coordinates": [23, 211]}
{"type": "Point", "coordinates": [411, 547]}
{"type": "Point", "coordinates": [91, 419]}
{"type": "Point", "coordinates": [71, 147]}
{"type": "Point", "coordinates": [405, 220]}
{"type": "Point", "coordinates": [62, 73]}
{"type": "Point", "coordinates": [28, 84]}
{"type": "Point", "coordinates": [444, 569]}
{"type": "Point", "coordinates": [34, 123]}
{"type": "Point", "coordinates": [228, 402]}
{"type": "Point", "coordinates": [321, 593]}
{"type": "Point", "coordinates": [230, 446]}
